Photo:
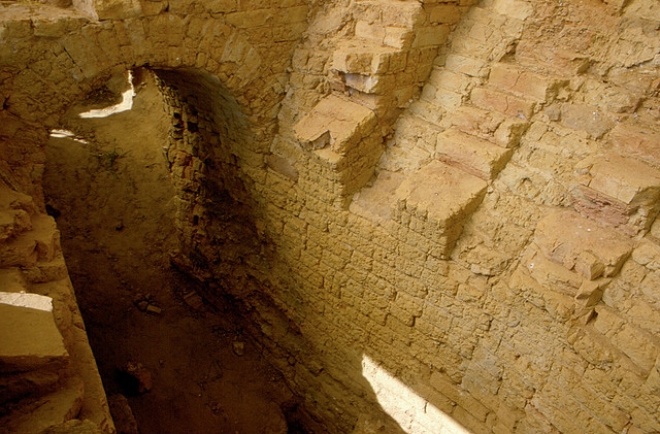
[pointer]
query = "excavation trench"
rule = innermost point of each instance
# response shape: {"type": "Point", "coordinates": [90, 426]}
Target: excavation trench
{"type": "Point", "coordinates": [124, 195]}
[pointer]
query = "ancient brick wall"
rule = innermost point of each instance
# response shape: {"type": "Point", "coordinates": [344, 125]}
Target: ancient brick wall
{"type": "Point", "coordinates": [463, 194]}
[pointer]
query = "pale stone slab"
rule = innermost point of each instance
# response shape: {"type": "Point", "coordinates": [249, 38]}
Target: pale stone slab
{"type": "Point", "coordinates": [29, 337]}
{"type": "Point", "coordinates": [32, 301]}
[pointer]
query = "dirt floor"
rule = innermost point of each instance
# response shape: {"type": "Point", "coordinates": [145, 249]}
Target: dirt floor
{"type": "Point", "coordinates": [112, 199]}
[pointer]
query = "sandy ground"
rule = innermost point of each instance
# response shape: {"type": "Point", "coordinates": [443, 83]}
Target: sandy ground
{"type": "Point", "coordinates": [113, 202]}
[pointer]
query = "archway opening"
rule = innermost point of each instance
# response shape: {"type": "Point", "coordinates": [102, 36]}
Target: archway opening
{"type": "Point", "coordinates": [133, 193]}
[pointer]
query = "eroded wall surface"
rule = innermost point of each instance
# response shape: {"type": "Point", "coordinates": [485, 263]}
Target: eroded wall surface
{"type": "Point", "coordinates": [461, 193]}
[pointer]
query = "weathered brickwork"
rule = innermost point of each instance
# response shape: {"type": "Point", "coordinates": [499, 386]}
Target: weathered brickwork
{"type": "Point", "coordinates": [464, 192]}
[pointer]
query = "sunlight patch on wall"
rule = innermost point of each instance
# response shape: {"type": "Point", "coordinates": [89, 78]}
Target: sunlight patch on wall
{"type": "Point", "coordinates": [32, 301]}
{"type": "Point", "coordinates": [412, 412]}
{"type": "Point", "coordinates": [60, 134]}
{"type": "Point", "coordinates": [125, 104]}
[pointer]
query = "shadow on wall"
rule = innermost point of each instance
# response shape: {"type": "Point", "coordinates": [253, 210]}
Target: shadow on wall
{"type": "Point", "coordinates": [216, 154]}
{"type": "Point", "coordinates": [223, 246]}
{"type": "Point", "coordinates": [219, 242]}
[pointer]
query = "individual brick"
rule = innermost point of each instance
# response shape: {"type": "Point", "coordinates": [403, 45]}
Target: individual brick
{"type": "Point", "coordinates": [525, 83]}
{"type": "Point", "coordinates": [466, 65]}
{"type": "Point", "coordinates": [472, 154]}
{"type": "Point", "coordinates": [489, 99]}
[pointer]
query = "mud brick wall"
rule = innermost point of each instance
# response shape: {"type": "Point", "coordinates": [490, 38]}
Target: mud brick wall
{"type": "Point", "coordinates": [456, 198]}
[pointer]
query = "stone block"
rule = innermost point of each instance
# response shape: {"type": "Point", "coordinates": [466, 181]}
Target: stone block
{"type": "Point", "coordinates": [541, 279]}
{"type": "Point", "coordinates": [30, 338]}
{"type": "Point", "coordinates": [455, 392]}
{"type": "Point", "coordinates": [12, 280]}
{"type": "Point", "coordinates": [580, 244]}
{"type": "Point", "coordinates": [391, 12]}
{"type": "Point", "coordinates": [645, 316]}
{"type": "Point", "coordinates": [562, 61]}
{"type": "Point", "coordinates": [473, 47]}
{"type": "Point", "coordinates": [625, 188]}
{"type": "Point", "coordinates": [590, 292]}
{"type": "Point", "coordinates": [249, 19]}
{"type": "Point", "coordinates": [583, 117]}
{"type": "Point", "coordinates": [373, 84]}
{"type": "Point", "coordinates": [637, 143]}
{"type": "Point", "coordinates": [19, 252]}
{"type": "Point", "coordinates": [445, 99]}
{"type": "Point", "coordinates": [443, 78]}
{"type": "Point", "coordinates": [445, 14]}
{"type": "Point", "coordinates": [442, 197]}
{"type": "Point", "coordinates": [367, 58]}
{"type": "Point", "coordinates": [592, 346]}
{"type": "Point", "coordinates": [647, 254]}
{"type": "Point", "coordinates": [16, 386]}
{"type": "Point", "coordinates": [653, 380]}
{"type": "Point", "coordinates": [53, 409]}
{"type": "Point", "coordinates": [517, 9]}
{"type": "Point", "coordinates": [475, 121]}
{"type": "Point", "coordinates": [13, 222]}
{"type": "Point", "coordinates": [117, 9]}
{"type": "Point", "coordinates": [400, 38]}
{"type": "Point", "coordinates": [375, 202]}
{"type": "Point", "coordinates": [489, 99]}
{"type": "Point", "coordinates": [638, 345]}
{"type": "Point", "coordinates": [467, 65]}
{"type": "Point", "coordinates": [471, 154]}
{"type": "Point", "coordinates": [337, 122]}
{"type": "Point", "coordinates": [56, 27]}
{"type": "Point", "coordinates": [369, 30]}
{"type": "Point", "coordinates": [509, 132]}
{"type": "Point", "coordinates": [600, 207]}
{"type": "Point", "coordinates": [524, 83]}
{"type": "Point", "coordinates": [283, 166]}
{"type": "Point", "coordinates": [431, 36]}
